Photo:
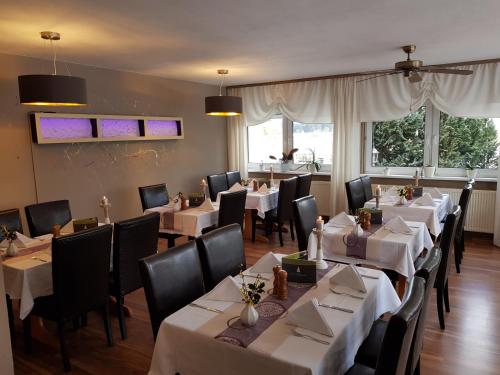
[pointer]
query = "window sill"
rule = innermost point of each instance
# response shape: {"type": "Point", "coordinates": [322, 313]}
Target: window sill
{"type": "Point", "coordinates": [317, 176]}
{"type": "Point", "coordinates": [436, 181]}
{"type": "Point", "coordinates": [435, 178]}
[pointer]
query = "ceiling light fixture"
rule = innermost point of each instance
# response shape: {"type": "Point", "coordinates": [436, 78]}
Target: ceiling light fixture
{"type": "Point", "coordinates": [223, 105]}
{"type": "Point", "coordinates": [52, 89]}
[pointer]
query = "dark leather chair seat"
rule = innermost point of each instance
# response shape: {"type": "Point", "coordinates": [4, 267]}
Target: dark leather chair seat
{"type": "Point", "coordinates": [367, 187]}
{"type": "Point", "coordinates": [233, 177]}
{"type": "Point", "coordinates": [359, 369]}
{"type": "Point", "coordinates": [231, 210]}
{"type": "Point", "coordinates": [216, 184]}
{"type": "Point", "coordinates": [303, 185]}
{"type": "Point", "coordinates": [305, 213]}
{"type": "Point", "coordinates": [355, 195]}
{"type": "Point", "coordinates": [12, 221]}
{"type": "Point", "coordinates": [42, 217]}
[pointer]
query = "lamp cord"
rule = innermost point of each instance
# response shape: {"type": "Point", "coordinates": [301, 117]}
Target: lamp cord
{"type": "Point", "coordinates": [221, 83]}
{"type": "Point", "coordinates": [55, 56]}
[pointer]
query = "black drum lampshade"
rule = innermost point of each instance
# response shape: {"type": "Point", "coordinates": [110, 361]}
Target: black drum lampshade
{"type": "Point", "coordinates": [52, 90]}
{"type": "Point", "coordinates": [223, 105]}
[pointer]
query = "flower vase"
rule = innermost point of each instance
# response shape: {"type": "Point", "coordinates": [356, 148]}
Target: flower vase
{"type": "Point", "coordinates": [357, 230]}
{"type": "Point", "coordinates": [249, 315]}
{"type": "Point", "coordinates": [11, 249]}
{"type": "Point", "coordinates": [402, 200]}
{"type": "Point", "coordinates": [312, 168]}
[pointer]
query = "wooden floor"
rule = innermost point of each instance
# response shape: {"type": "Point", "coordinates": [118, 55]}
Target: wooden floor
{"type": "Point", "coordinates": [469, 345]}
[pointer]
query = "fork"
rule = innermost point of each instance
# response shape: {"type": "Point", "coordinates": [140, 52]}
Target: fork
{"type": "Point", "coordinates": [40, 259]}
{"type": "Point", "coordinates": [345, 294]}
{"type": "Point", "coordinates": [298, 334]}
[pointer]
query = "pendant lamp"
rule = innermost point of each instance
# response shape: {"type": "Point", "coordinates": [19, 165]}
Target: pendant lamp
{"type": "Point", "coordinates": [223, 105]}
{"type": "Point", "coordinates": [52, 89]}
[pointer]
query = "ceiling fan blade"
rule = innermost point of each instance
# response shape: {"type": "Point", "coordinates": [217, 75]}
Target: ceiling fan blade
{"type": "Point", "coordinates": [415, 77]}
{"type": "Point", "coordinates": [379, 75]}
{"type": "Point", "coordinates": [446, 71]}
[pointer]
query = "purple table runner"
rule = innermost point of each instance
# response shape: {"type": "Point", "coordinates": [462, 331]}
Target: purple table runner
{"type": "Point", "coordinates": [356, 246]}
{"type": "Point", "coordinates": [270, 310]}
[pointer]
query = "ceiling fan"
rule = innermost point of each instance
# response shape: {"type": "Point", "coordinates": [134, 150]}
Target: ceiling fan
{"type": "Point", "coordinates": [411, 68]}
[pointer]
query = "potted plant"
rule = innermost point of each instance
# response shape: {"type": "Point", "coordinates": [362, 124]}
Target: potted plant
{"type": "Point", "coordinates": [285, 158]}
{"type": "Point", "coordinates": [312, 165]}
{"type": "Point", "coordinates": [429, 171]}
{"type": "Point", "coordinates": [471, 166]}
{"type": "Point", "coordinates": [251, 296]}
{"type": "Point", "coordinates": [10, 237]}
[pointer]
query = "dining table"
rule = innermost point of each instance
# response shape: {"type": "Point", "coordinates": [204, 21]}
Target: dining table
{"type": "Point", "coordinates": [206, 337]}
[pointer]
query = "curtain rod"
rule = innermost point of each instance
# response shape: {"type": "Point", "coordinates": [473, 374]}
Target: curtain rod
{"type": "Point", "coordinates": [448, 65]}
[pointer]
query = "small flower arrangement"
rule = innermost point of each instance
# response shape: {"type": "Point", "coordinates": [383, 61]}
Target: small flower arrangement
{"type": "Point", "coordinates": [251, 292]}
{"type": "Point", "coordinates": [8, 235]}
{"type": "Point", "coordinates": [403, 191]}
{"type": "Point", "coordinates": [286, 157]}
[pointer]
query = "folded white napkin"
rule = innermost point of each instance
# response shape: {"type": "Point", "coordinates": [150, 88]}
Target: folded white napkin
{"type": "Point", "coordinates": [435, 193]}
{"type": "Point", "coordinates": [425, 200]}
{"type": "Point", "coordinates": [207, 205]}
{"type": "Point", "coordinates": [350, 277]}
{"type": "Point", "coordinates": [263, 189]}
{"type": "Point", "coordinates": [236, 187]}
{"type": "Point", "coordinates": [266, 263]}
{"type": "Point", "coordinates": [392, 191]}
{"type": "Point", "coordinates": [398, 225]}
{"type": "Point", "coordinates": [309, 316]}
{"type": "Point", "coordinates": [341, 220]}
{"type": "Point", "coordinates": [21, 241]}
{"type": "Point", "coordinates": [227, 290]}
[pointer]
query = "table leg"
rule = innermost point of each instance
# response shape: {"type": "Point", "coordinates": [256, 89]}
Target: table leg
{"type": "Point", "coordinates": [401, 285]}
{"type": "Point", "coordinates": [247, 229]}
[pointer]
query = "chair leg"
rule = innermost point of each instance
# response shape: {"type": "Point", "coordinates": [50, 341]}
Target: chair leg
{"type": "Point", "coordinates": [457, 258]}
{"type": "Point", "coordinates": [446, 298]}
{"type": "Point", "coordinates": [62, 343]}
{"type": "Point", "coordinates": [280, 233]}
{"type": "Point", "coordinates": [121, 318]}
{"type": "Point", "coordinates": [291, 230]}
{"type": "Point", "coordinates": [440, 298]}
{"type": "Point", "coordinates": [254, 224]}
{"type": "Point", "coordinates": [171, 242]}
{"type": "Point", "coordinates": [10, 314]}
{"type": "Point", "coordinates": [28, 347]}
{"type": "Point", "coordinates": [107, 324]}
{"type": "Point", "coordinates": [417, 368]}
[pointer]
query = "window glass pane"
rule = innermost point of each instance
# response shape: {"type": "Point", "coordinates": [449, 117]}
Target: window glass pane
{"type": "Point", "coordinates": [399, 143]}
{"type": "Point", "coordinates": [309, 138]}
{"type": "Point", "coordinates": [468, 142]}
{"type": "Point", "coordinates": [265, 139]}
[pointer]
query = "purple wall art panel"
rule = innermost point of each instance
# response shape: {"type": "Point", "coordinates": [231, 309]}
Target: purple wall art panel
{"type": "Point", "coordinates": [119, 128]}
{"type": "Point", "coordinates": [55, 127]}
{"type": "Point", "coordinates": [162, 128]}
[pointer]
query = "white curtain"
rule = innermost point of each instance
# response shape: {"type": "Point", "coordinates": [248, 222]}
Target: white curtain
{"type": "Point", "coordinates": [496, 234]}
{"type": "Point", "coordinates": [237, 143]}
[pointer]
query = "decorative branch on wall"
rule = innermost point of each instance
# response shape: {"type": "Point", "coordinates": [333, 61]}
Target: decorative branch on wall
{"type": "Point", "coordinates": [77, 128]}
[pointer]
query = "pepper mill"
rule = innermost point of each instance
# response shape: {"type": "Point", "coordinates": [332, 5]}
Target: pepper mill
{"type": "Point", "coordinates": [255, 185]}
{"type": "Point", "coordinates": [276, 282]}
{"type": "Point", "coordinates": [56, 230]}
{"type": "Point", "coordinates": [282, 285]}
{"type": "Point", "coordinates": [183, 202]}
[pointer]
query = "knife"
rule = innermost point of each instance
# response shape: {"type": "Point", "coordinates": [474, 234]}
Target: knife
{"type": "Point", "coordinates": [206, 308]}
{"type": "Point", "coordinates": [335, 308]}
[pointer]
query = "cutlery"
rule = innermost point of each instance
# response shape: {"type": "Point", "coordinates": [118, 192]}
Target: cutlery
{"type": "Point", "coordinates": [255, 276]}
{"type": "Point", "coordinates": [298, 334]}
{"type": "Point", "coordinates": [40, 259]}
{"type": "Point", "coordinates": [345, 294]}
{"type": "Point", "coordinates": [336, 308]}
{"type": "Point", "coordinates": [368, 276]}
{"type": "Point", "coordinates": [206, 308]}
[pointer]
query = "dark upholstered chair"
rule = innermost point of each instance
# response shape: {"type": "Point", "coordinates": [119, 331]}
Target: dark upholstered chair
{"type": "Point", "coordinates": [396, 343]}
{"type": "Point", "coordinates": [231, 210]}
{"type": "Point", "coordinates": [156, 196]}
{"type": "Point", "coordinates": [80, 275]}
{"type": "Point", "coordinates": [305, 213]}
{"type": "Point", "coordinates": [42, 217]}
{"type": "Point", "coordinates": [171, 280]}
{"type": "Point", "coordinates": [369, 351]}
{"type": "Point", "coordinates": [221, 253]}
{"type": "Point", "coordinates": [459, 235]}
{"type": "Point", "coordinates": [232, 178]}
{"type": "Point", "coordinates": [303, 185]}
{"type": "Point", "coordinates": [355, 195]}
{"type": "Point", "coordinates": [284, 211]}
{"type": "Point", "coordinates": [216, 184]}
{"type": "Point", "coordinates": [133, 239]}
{"type": "Point", "coordinates": [367, 187]}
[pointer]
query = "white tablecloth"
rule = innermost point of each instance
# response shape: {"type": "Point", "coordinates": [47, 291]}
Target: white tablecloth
{"type": "Point", "coordinates": [186, 343]}
{"type": "Point", "coordinates": [430, 215]}
{"type": "Point", "coordinates": [384, 249]}
{"type": "Point", "coordinates": [262, 202]}
{"type": "Point", "coordinates": [189, 222]}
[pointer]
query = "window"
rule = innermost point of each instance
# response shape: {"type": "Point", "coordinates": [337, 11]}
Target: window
{"type": "Point", "coordinates": [431, 137]}
{"type": "Point", "coordinates": [280, 134]}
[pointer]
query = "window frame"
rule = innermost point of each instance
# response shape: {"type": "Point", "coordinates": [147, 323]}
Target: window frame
{"type": "Point", "coordinates": [431, 151]}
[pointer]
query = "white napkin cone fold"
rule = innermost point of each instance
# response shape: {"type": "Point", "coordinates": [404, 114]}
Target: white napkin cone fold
{"type": "Point", "coordinates": [349, 276]}
{"type": "Point", "coordinates": [435, 193]}
{"type": "Point", "coordinates": [263, 189]}
{"type": "Point", "coordinates": [309, 316]}
{"type": "Point", "coordinates": [425, 200]}
{"type": "Point", "coordinates": [175, 203]}
{"type": "Point", "coordinates": [228, 290]}
{"type": "Point", "coordinates": [398, 225]}
{"type": "Point", "coordinates": [266, 263]}
{"type": "Point", "coordinates": [341, 220]}
{"type": "Point", "coordinates": [236, 187]}
{"type": "Point", "coordinates": [207, 205]}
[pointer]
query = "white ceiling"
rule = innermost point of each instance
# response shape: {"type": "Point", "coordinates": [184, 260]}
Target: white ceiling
{"type": "Point", "coordinates": [257, 40]}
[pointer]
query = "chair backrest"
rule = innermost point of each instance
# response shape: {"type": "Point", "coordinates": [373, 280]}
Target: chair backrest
{"type": "Point", "coordinates": [286, 196]}
{"type": "Point", "coordinates": [303, 185]}
{"type": "Point", "coordinates": [42, 217]}
{"type": "Point", "coordinates": [12, 221]}
{"type": "Point", "coordinates": [233, 177]}
{"type": "Point", "coordinates": [232, 208]}
{"type": "Point", "coordinates": [80, 270]}
{"type": "Point", "coordinates": [305, 213]}
{"type": "Point", "coordinates": [171, 280]}
{"type": "Point", "coordinates": [216, 184]}
{"type": "Point", "coordinates": [133, 239]}
{"type": "Point", "coordinates": [355, 195]}
{"type": "Point", "coordinates": [153, 196]}
{"type": "Point", "coordinates": [367, 187]}
{"type": "Point", "coordinates": [395, 347]}
{"type": "Point", "coordinates": [464, 205]}
{"type": "Point", "coordinates": [221, 253]}
{"type": "Point", "coordinates": [446, 245]}
{"type": "Point", "coordinates": [427, 271]}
